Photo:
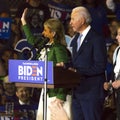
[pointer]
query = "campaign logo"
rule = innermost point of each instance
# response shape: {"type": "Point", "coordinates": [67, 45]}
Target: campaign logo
{"type": "Point", "coordinates": [28, 52]}
{"type": "Point", "coordinates": [30, 71]}
{"type": "Point", "coordinates": [5, 28]}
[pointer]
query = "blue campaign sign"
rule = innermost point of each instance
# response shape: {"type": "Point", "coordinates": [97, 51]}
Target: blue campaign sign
{"type": "Point", "coordinates": [30, 71]}
{"type": "Point", "coordinates": [5, 28]}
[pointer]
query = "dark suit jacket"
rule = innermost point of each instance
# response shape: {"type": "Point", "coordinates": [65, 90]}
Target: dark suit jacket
{"type": "Point", "coordinates": [90, 62]}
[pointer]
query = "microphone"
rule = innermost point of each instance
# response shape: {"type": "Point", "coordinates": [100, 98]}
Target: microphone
{"type": "Point", "coordinates": [42, 43]}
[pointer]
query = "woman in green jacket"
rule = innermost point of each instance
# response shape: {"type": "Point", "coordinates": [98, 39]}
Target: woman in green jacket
{"type": "Point", "coordinates": [54, 30]}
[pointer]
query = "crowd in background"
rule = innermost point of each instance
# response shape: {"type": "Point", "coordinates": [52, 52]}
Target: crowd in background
{"type": "Point", "coordinates": [61, 9]}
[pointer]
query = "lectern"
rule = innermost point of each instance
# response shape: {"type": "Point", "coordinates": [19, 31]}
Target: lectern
{"type": "Point", "coordinates": [62, 78]}
{"type": "Point", "coordinates": [31, 74]}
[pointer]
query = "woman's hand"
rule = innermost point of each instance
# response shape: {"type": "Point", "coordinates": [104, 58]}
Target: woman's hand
{"type": "Point", "coordinates": [58, 112]}
{"type": "Point", "coordinates": [116, 84]}
{"type": "Point", "coordinates": [61, 64]}
{"type": "Point", "coordinates": [23, 18]}
{"type": "Point", "coordinates": [72, 69]}
{"type": "Point", "coordinates": [58, 101]}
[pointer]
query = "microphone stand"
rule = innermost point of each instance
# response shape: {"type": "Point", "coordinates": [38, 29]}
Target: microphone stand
{"type": "Point", "coordinates": [45, 46]}
{"type": "Point", "coordinates": [45, 85]}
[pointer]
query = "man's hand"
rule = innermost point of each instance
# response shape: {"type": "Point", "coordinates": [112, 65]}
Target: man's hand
{"type": "Point", "coordinates": [116, 84]}
{"type": "Point", "coordinates": [72, 69]}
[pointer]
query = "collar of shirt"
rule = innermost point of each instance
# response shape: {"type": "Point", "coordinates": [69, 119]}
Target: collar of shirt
{"type": "Point", "coordinates": [84, 33]}
{"type": "Point", "coordinates": [22, 103]}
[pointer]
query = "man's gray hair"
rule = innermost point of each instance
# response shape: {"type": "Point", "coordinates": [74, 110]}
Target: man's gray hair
{"type": "Point", "coordinates": [82, 11]}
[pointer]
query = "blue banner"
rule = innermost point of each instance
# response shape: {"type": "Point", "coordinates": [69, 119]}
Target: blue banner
{"type": "Point", "coordinates": [5, 28]}
{"type": "Point", "coordinates": [32, 71]}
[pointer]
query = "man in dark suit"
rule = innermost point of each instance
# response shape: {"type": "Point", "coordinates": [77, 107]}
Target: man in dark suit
{"type": "Point", "coordinates": [89, 60]}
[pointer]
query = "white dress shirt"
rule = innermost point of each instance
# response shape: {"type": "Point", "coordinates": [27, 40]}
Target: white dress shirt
{"type": "Point", "coordinates": [84, 33]}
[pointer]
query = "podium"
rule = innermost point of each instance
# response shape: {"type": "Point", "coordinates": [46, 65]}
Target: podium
{"type": "Point", "coordinates": [32, 74]}
{"type": "Point", "coordinates": [62, 78]}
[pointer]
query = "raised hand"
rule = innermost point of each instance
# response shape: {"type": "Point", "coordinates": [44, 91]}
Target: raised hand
{"type": "Point", "coordinates": [23, 18]}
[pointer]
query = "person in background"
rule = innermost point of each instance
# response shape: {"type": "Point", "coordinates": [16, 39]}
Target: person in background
{"type": "Point", "coordinates": [109, 103]}
{"type": "Point", "coordinates": [89, 58]}
{"type": "Point", "coordinates": [69, 33]}
{"type": "Point", "coordinates": [114, 7]}
{"type": "Point", "coordinates": [24, 96]}
{"type": "Point", "coordinates": [116, 83]}
{"type": "Point", "coordinates": [111, 39]}
{"type": "Point", "coordinates": [25, 104]}
{"type": "Point", "coordinates": [4, 6]}
{"type": "Point", "coordinates": [113, 28]}
{"type": "Point", "coordinates": [15, 33]}
{"type": "Point", "coordinates": [116, 71]}
{"type": "Point", "coordinates": [60, 9]}
{"type": "Point", "coordinates": [54, 30]}
{"type": "Point", "coordinates": [9, 91]}
{"type": "Point", "coordinates": [2, 69]}
{"type": "Point", "coordinates": [99, 16]}
{"type": "Point", "coordinates": [36, 15]}
{"type": "Point", "coordinates": [6, 54]}
{"type": "Point", "coordinates": [109, 68]}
